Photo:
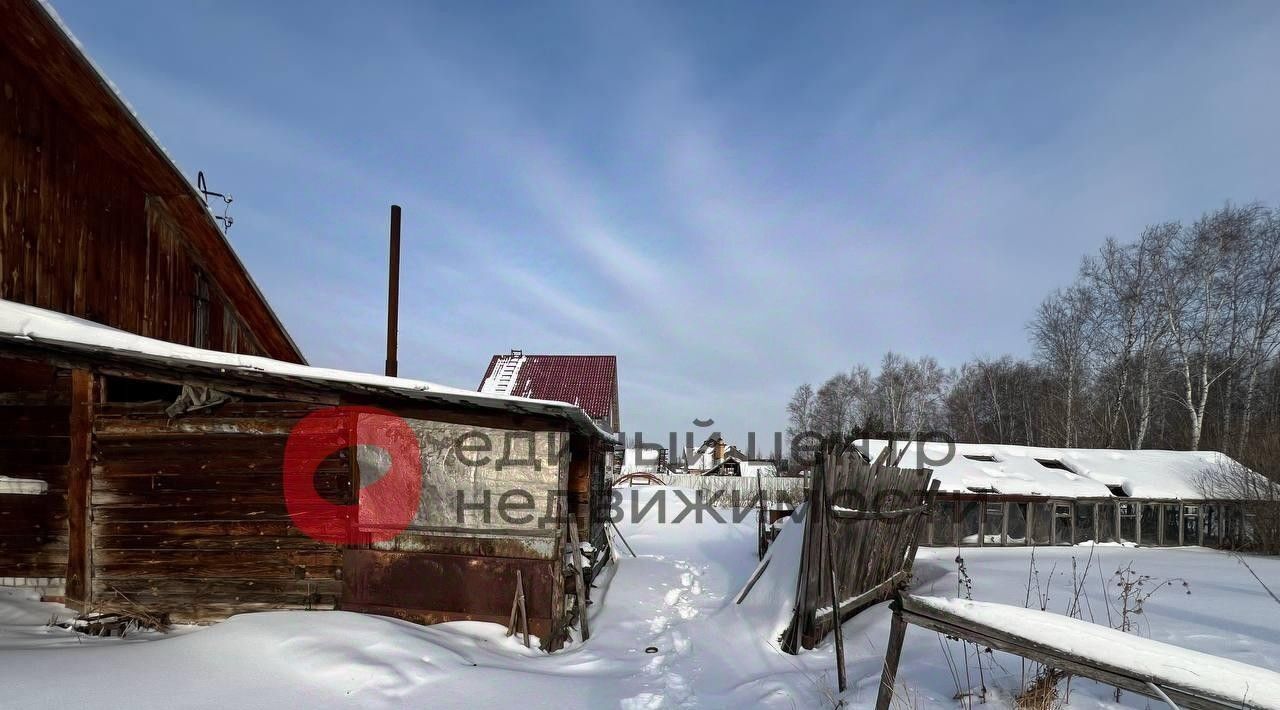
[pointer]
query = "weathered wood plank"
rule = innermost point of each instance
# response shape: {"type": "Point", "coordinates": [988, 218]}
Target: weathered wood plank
{"type": "Point", "coordinates": [178, 587]}
{"type": "Point", "coordinates": [267, 568]}
{"type": "Point", "coordinates": [80, 536]}
{"type": "Point", "coordinates": [955, 626]}
{"type": "Point", "coordinates": [178, 512]}
{"type": "Point", "coordinates": [248, 542]}
{"type": "Point", "coordinates": [263, 463]}
{"type": "Point", "coordinates": [874, 512]}
{"type": "Point", "coordinates": [34, 420]}
{"type": "Point", "coordinates": [108, 427]}
{"type": "Point", "coordinates": [211, 529]}
{"type": "Point", "coordinates": [143, 487]}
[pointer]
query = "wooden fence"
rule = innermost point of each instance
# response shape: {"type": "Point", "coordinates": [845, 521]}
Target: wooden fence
{"type": "Point", "coordinates": [861, 531]}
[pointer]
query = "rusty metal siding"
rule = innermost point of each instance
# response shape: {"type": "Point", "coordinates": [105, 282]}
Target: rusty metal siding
{"type": "Point", "coordinates": [431, 588]}
{"type": "Point", "coordinates": [79, 235]}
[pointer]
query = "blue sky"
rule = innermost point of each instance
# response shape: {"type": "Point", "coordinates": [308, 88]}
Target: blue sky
{"type": "Point", "coordinates": [734, 198]}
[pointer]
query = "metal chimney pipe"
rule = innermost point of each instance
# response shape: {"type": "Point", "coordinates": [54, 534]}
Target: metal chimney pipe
{"type": "Point", "coordinates": [393, 293]}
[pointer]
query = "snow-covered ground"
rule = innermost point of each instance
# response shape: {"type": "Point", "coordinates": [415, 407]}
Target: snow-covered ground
{"type": "Point", "coordinates": [676, 598]}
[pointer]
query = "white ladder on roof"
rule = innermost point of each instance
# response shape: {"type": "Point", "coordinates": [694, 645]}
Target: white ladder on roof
{"type": "Point", "coordinates": [506, 378]}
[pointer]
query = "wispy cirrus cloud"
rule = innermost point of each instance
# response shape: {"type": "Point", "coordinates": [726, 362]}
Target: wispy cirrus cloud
{"type": "Point", "coordinates": [734, 199]}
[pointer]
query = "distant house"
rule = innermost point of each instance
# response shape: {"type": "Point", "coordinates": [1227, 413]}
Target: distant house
{"type": "Point", "coordinates": [588, 381]}
{"type": "Point", "coordinates": [749, 468]}
{"type": "Point", "coordinates": [713, 455]}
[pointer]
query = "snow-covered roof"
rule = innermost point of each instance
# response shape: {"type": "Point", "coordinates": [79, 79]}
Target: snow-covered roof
{"type": "Point", "coordinates": [699, 459]}
{"type": "Point", "coordinates": [24, 324]}
{"type": "Point", "coordinates": [1068, 473]}
{"type": "Point", "coordinates": [766, 469]}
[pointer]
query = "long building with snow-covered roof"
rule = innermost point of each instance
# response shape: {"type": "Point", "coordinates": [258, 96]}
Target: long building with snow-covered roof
{"type": "Point", "coordinates": [995, 494]}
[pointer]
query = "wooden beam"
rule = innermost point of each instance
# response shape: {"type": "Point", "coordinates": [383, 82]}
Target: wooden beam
{"type": "Point", "coordinates": [893, 654]}
{"type": "Point", "coordinates": [966, 629]}
{"type": "Point", "coordinates": [982, 523]}
{"type": "Point", "coordinates": [922, 523]}
{"type": "Point", "coordinates": [845, 514]}
{"type": "Point", "coordinates": [577, 577]}
{"type": "Point", "coordinates": [1119, 522]}
{"type": "Point", "coordinates": [957, 513]}
{"type": "Point", "coordinates": [79, 586]}
{"type": "Point", "coordinates": [837, 628]}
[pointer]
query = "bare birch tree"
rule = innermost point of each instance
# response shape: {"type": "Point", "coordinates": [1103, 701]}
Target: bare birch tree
{"type": "Point", "coordinates": [800, 411]}
{"type": "Point", "coordinates": [1169, 341]}
{"type": "Point", "coordinates": [1264, 313]}
{"type": "Point", "coordinates": [1194, 283]}
{"type": "Point", "coordinates": [1062, 333]}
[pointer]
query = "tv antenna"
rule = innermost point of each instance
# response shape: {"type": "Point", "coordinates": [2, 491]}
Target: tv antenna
{"type": "Point", "coordinates": [225, 217]}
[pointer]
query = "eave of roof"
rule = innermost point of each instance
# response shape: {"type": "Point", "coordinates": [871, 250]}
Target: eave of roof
{"type": "Point", "coordinates": [36, 331]}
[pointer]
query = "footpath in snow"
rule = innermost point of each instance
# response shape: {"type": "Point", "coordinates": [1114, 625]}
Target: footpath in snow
{"type": "Point", "coordinates": [666, 634]}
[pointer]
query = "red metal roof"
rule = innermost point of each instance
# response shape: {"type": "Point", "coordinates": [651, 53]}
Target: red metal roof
{"type": "Point", "coordinates": [589, 381]}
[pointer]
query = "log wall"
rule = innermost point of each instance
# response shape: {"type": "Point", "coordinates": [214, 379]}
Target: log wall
{"type": "Point", "coordinates": [189, 517]}
{"type": "Point", "coordinates": [34, 444]}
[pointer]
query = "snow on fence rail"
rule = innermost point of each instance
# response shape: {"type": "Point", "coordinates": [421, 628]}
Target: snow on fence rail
{"type": "Point", "coordinates": [1157, 670]}
{"type": "Point", "coordinates": [737, 490]}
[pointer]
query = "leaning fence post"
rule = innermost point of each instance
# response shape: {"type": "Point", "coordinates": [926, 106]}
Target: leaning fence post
{"type": "Point", "coordinates": [761, 527]}
{"type": "Point", "coordinates": [835, 591]}
{"type": "Point", "coordinates": [577, 576]}
{"type": "Point", "coordinates": [925, 518]}
{"type": "Point", "coordinates": [892, 654]}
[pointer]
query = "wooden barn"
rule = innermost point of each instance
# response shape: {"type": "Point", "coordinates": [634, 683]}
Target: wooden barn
{"type": "Point", "coordinates": [96, 222]}
{"type": "Point", "coordinates": [179, 490]}
{"type": "Point", "coordinates": [148, 395]}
